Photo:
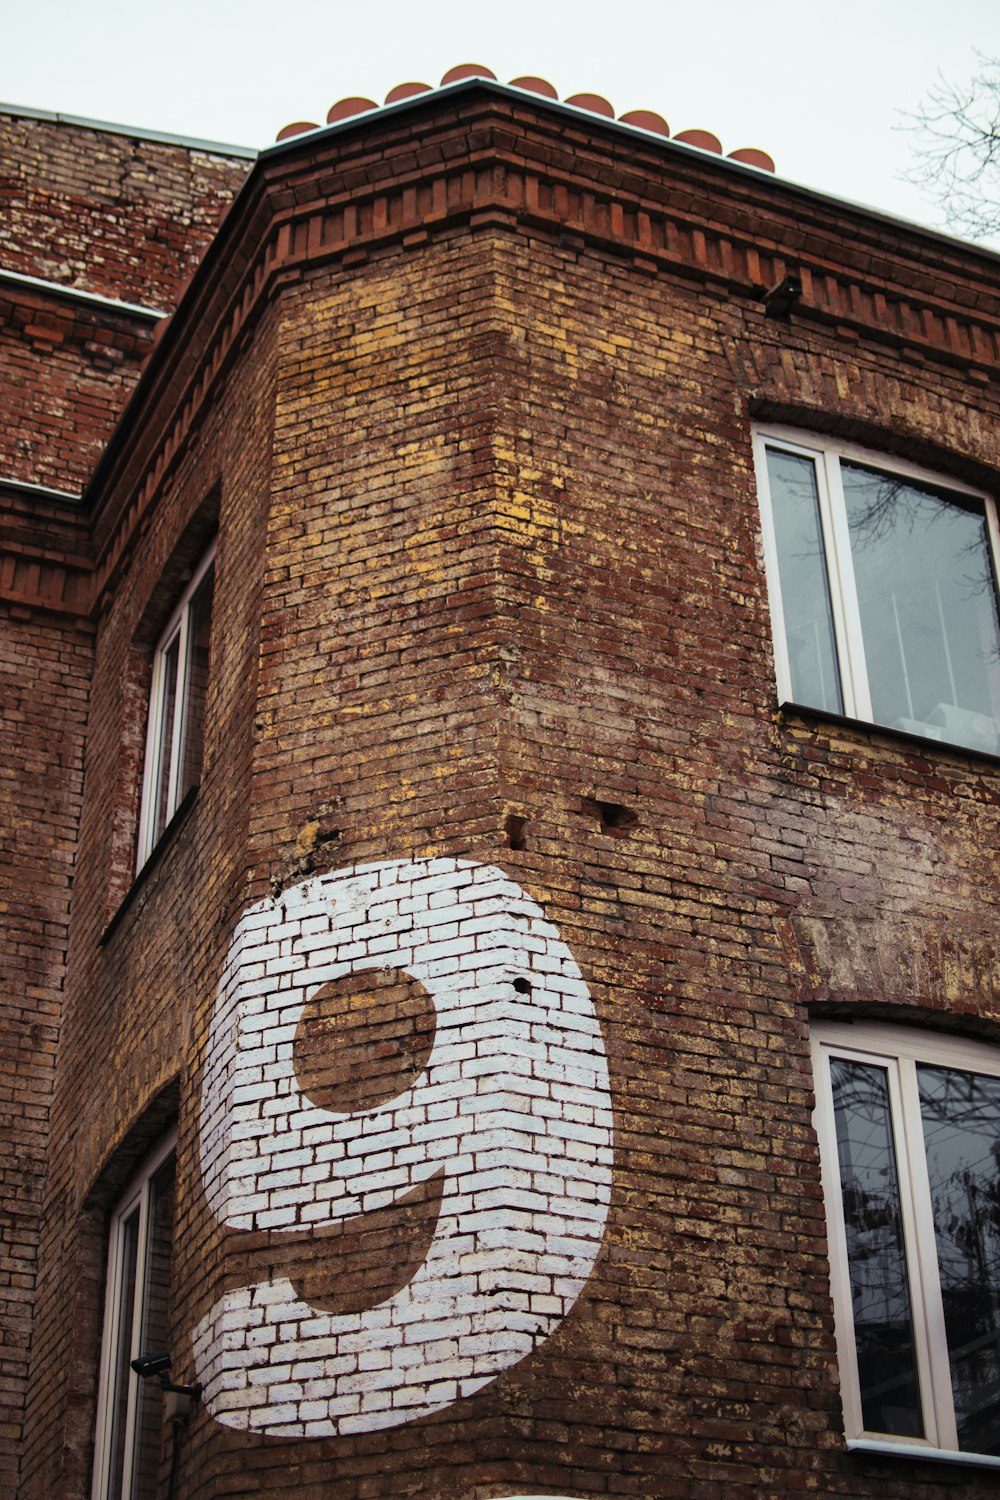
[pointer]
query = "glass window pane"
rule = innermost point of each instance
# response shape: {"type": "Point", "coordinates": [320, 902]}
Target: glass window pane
{"type": "Point", "coordinates": [155, 1294]}
{"type": "Point", "coordinates": [805, 591]}
{"type": "Point", "coordinates": [928, 609]}
{"type": "Point", "coordinates": [880, 1292]}
{"type": "Point", "coordinates": [196, 682]}
{"type": "Point", "coordinates": [961, 1122]}
{"type": "Point", "coordinates": [164, 748]}
{"type": "Point", "coordinates": [128, 1231]}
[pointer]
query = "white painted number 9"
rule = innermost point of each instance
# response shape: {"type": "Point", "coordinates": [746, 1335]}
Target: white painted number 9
{"type": "Point", "coordinates": [512, 1106]}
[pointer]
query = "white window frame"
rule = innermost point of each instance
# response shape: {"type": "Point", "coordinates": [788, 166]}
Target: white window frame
{"type": "Point", "coordinates": [896, 1050]}
{"type": "Point", "coordinates": [177, 629]}
{"type": "Point", "coordinates": [136, 1195]}
{"type": "Point", "coordinates": [826, 454]}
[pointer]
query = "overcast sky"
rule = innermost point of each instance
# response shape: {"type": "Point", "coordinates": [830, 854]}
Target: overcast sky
{"type": "Point", "coordinates": [818, 85]}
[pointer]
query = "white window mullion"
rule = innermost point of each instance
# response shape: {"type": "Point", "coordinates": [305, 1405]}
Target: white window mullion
{"type": "Point", "coordinates": [109, 1351]}
{"type": "Point", "coordinates": [844, 593]}
{"type": "Point", "coordinates": [114, 1337]}
{"type": "Point", "coordinates": [840, 1268]}
{"type": "Point", "coordinates": [123, 1337]}
{"type": "Point", "coordinates": [920, 1160]}
{"type": "Point", "coordinates": [163, 784]}
{"type": "Point", "coordinates": [993, 533]}
{"type": "Point", "coordinates": [772, 574]}
{"type": "Point", "coordinates": [936, 1383]}
{"type": "Point", "coordinates": [921, 1271]}
{"type": "Point", "coordinates": [134, 1335]}
{"type": "Point", "coordinates": [151, 763]}
{"type": "Point", "coordinates": [840, 1271]}
{"type": "Point", "coordinates": [916, 601]}
{"type": "Point", "coordinates": [177, 729]}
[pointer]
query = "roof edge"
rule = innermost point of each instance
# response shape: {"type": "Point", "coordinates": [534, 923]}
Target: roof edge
{"type": "Point", "coordinates": [71, 498]}
{"type": "Point", "coordinates": [286, 257]}
{"type": "Point", "coordinates": [79, 294]}
{"type": "Point", "coordinates": [667, 144]}
{"type": "Point", "coordinates": [137, 132]}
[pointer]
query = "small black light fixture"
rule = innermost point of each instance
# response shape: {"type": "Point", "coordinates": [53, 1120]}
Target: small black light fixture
{"type": "Point", "coordinates": [178, 1402]}
{"type": "Point", "coordinates": [780, 300]}
{"type": "Point", "coordinates": [157, 1367]}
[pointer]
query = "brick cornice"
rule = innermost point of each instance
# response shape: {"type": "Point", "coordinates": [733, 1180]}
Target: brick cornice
{"type": "Point", "coordinates": [45, 562]}
{"type": "Point", "coordinates": [77, 314]}
{"type": "Point", "coordinates": [487, 159]}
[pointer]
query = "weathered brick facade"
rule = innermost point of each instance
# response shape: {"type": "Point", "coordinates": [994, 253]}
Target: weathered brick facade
{"type": "Point", "coordinates": [100, 230]}
{"type": "Point", "coordinates": [466, 389]}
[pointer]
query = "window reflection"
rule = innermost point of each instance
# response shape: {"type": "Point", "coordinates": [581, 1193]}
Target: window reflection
{"type": "Point", "coordinates": [888, 597]}
{"type": "Point", "coordinates": [880, 1292]}
{"type": "Point", "coordinates": [961, 1123]}
{"type": "Point", "coordinates": [129, 1428]}
{"type": "Point", "coordinates": [928, 608]}
{"type": "Point", "coordinates": [805, 593]}
{"type": "Point", "coordinates": [155, 1295]}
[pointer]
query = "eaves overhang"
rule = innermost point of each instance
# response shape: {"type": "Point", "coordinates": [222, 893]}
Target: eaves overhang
{"type": "Point", "coordinates": [135, 132]}
{"type": "Point", "coordinates": [477, 154]}
{"type": "Point", "coordinates": [667, 144]}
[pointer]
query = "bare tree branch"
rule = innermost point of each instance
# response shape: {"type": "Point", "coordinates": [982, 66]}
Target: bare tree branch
{"type": "Point", "coordinates": [957, 133]}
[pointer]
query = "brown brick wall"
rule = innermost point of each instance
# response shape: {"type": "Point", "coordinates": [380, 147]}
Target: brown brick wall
{"type": "Point", "coordinates": [45, 663]}
{"type": "Point", "coordinates": [127, 219]}
{"type": "Point", "coordinates": [775, 866]}
{"type": "Point", "coordinates": [115, 214]}
{"type": "Point", "coordinates": [129, 1001]}
{"type": "Point", "coordinates": [44, 683]}
{"type": "Point", "coordinates": [490, 587]}
{"type": "Point", "coordinates": [68, 371]}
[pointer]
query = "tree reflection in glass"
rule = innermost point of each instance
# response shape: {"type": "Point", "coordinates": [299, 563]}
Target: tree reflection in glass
{"type": "Point", "coordinates": [961, 1122]}
{"type": "Point", "coordinates": [928, 607]}
{"type": "Point", "coordinates": [805, 590]}
{"type": "Point", "coordinates": [880, 1291]}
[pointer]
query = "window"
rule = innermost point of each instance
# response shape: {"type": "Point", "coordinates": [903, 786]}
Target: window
{"type": "Point", "coordinates": [129, 1410]}
{"type": "Point", "coordinates": [175, 732]}
{"type": "Point", "coordinates": [909, 1130]}
{"type": "Point", "coordinates": [882, 583]}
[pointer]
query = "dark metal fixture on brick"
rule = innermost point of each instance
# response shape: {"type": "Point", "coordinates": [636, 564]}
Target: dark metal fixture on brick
{"type": "Point", "coordinates": [176, 1409]}
{"type": "Point", "coordinates": [780, 300]}
{"type": "Point", "coordinates": [147, 1366]}
{"type": "Point", "coordinates": [157, 1367]}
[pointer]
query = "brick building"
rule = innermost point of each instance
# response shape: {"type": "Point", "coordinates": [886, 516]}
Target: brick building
{"type": "Point", "coordinates": [515, 709]}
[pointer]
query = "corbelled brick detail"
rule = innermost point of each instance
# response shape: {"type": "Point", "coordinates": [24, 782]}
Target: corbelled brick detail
{"type": "Point", "coordinates": [493, 163]}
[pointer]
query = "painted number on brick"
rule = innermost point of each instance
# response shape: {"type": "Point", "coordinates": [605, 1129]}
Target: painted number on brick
{"type": "Point", "coordinates": [512, 1110]}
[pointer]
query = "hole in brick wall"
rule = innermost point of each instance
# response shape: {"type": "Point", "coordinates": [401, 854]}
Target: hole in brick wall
{"type": "Point", "coordinates": [363, 1039]}
{"type": "Point", "coordinates": [523, 986]}
{"type": "Point", "coordinates": [514, 831]}
{"type": "Point", "coordinates": [613, 817]}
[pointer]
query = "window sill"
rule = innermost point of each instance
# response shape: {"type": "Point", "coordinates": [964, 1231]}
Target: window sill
{"type": "Point", "coordinates": [156, 854]}
{"type": "Point", "coordinates": [883, 1447]}
{"type": "Point", "coordinates": [919, 741]}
